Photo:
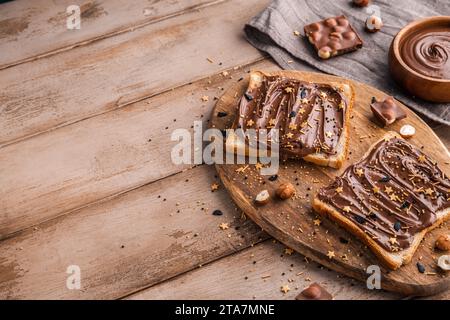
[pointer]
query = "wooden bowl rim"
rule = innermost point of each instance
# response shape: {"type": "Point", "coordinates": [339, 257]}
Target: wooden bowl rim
{"type": "Point", "coordinates": [395, 46]}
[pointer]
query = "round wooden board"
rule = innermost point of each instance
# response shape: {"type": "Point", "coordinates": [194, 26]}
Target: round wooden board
{"type": "Point", "coordinates": [291, 221]}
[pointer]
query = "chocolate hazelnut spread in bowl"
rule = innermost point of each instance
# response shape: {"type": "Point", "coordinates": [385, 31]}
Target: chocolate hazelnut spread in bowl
{"type": "Point", "coordinates": [419, 58]}
{"type": "Point", "coordinates": [428, 52]}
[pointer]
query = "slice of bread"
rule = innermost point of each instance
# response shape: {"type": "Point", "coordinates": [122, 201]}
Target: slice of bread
{"type": "Point", "coordinates": [320, 158]}
{"type": "Point", "coordinates": [392, 260]}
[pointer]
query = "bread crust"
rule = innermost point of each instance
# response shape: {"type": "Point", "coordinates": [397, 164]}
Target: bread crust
{"type": "Point", "coordinates": [390, 260]}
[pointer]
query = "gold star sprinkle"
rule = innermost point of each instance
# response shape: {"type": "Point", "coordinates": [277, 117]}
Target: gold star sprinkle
{"type": "Point", "coordinates": [250, 123]}
{"type": "Point", "coordinates": [296, 33]}
{"type": "Point", "coordinates": [224, 226]}
{"type": "Point", "coordinates": [346, 209]}
{"type": "Point", "coordinates": [339, 189]}
{"type": "Point", "coordinates": [289, 89]}
{"type": "Point", "coordinates": [421, 158]}
{"type": "Point", "coordinates": [288, 251]}
{"type": "Point", "coordinates": [329, 134]}
{"type": "Point", "coordinates": [293, 126]}
{"type": "Point", "coordinates": [304, 124]}
{"type": "Point", "coordinates": [258, 166]}
{"type": "Point", "coordinates": [285, 288]}
{"type": "Point", "coordinates": [393, 241]}
{"type": "Point", "coordinates": [323, 95]}
{"type": "Point", "coordinates": [301, 111]}
{"type": "Point", "coordinates": [341, 105]}
{"type": "Point", "coordinates": [289, 135]}
{"type": "Point", "coordinates": [304, 101]}
{"type": "Point", "coordinates": [359, 172]}
{"type": "Point", "coordinates": [330, 254]}
{"type": "Point", "coordinates": [271, 122]}
{"type": "Point", "coordinates": [214, 187]}
{"type": "Point", "coordinates": [205, 98]}
{"type": "Point", "coordinates": [317, 222]}
{"type": "Point", "coordinates": [393, 197]}
{"type": "Point", "coordinates": [429, 191]}
{"type": "Point", "coordinates": [376, 189]}
{"type": "Point", "coordinates": [388, 190]}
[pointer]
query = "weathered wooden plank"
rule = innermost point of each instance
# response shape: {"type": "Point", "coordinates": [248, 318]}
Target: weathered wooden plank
{"type": "Point", "coordinates": [105, 75]}
{"type": "Point", "coordinates": [441, 296]}
{"type": "Point", "coordinates": [258, 273]}
{"type": "Point", "coordinates": [101, 156]}
{"type": "Point", "coordinates": [132, 241]}
{"type": "Point", "coordinates": [34, 29]}
{"type": "Point", "coordinates": [443, 132]}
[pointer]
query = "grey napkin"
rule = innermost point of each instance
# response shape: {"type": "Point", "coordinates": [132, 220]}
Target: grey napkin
{"type": "Point", "coordinates": [273, 29]}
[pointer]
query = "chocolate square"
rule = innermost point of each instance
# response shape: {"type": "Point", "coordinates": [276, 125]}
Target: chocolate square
{"type": "Point", "coordinates": [387, 111]}
{"type": "Point", "coordinates": [332, 37]}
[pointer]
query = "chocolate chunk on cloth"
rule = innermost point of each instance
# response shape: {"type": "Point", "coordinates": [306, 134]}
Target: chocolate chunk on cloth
{"type": "Point", "coordinates": [387, 111]}
{"type": "Point", "coordinates": [273, 29]}
{"type": "Point", "coordinates": [314, 292]}
{"type": "Point", "coordinates": [332, 37]}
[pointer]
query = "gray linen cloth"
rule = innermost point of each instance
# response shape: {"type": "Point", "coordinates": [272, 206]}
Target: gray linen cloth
{"type": "Point", "coordinates": [273, 29]}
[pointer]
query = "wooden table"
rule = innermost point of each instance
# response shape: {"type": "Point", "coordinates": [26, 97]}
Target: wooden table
{"type": "Point", "coordinates": [85, 171]}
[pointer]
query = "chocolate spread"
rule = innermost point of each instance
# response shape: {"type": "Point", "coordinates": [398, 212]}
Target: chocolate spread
{"type": "Point", "coordinates": [310, 117]}
{"type": "Point", "coordinates": [392, 194]}
{"type": "Point", "coordinates": [427, 52]}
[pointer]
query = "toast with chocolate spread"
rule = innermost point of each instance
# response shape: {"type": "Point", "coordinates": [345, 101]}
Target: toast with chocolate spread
{"type": "Point", "coordinates": [389, 199]}
{"type": "Point", "coordinates": [312, 118]}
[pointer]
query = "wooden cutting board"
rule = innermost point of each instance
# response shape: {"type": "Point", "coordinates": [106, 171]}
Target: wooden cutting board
{"type": "Point", "coordinates": [292, 221]}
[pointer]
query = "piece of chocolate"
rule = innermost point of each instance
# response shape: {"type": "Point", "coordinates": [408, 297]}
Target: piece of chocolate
{"type": "Point", "coordinates": [387, 111]}
{"type": "Point", "coordinates": [314, 292]}
{"type": "Point", "coordinates": [332, 37]}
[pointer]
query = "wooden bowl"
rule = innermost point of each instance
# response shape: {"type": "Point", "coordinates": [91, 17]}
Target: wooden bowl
{"type": "Point", "coordinates": [417, 84]}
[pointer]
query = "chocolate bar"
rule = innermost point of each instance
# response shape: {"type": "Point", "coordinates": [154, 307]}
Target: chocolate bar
{"type": "Point", "coordinates": [332, 37]}
{"type": "Point", "coordinates": [387, 111]}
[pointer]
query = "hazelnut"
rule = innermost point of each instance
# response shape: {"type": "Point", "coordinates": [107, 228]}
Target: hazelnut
{"type": "Point", "coordinates": [361, 3]}
{"type": "Point", "coordinates": [349, 35]}
{"type": "Point", "coordinates": [262, 198]}
{"type": "Point", "coordinates": [443, 243]}
{"type": "Point", "coordinates": [315, 26]}
{"type": "Point", "coordinates": [336, 35]}
{"type": "Point", "coordinates": [314, 37]}
{"type": "Point", "coordinates": [342, 21]}
{"type": "Point", "coordinates": [334, 45]}
{"type": "Point", "coordinates": [444, 262]}
{"type": "Point", "coordinates": [325, 52]}
{"type": "Point", "coordinates": [330, 22]}
{"type": "Point", "coordinates": [407, 131]}
{"type": "Point", "coordinates": [285, 191]}
{"type": "Point", "coordinates": [374, 23]}
{"type": "Point", "coordinates": [338, 29]}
